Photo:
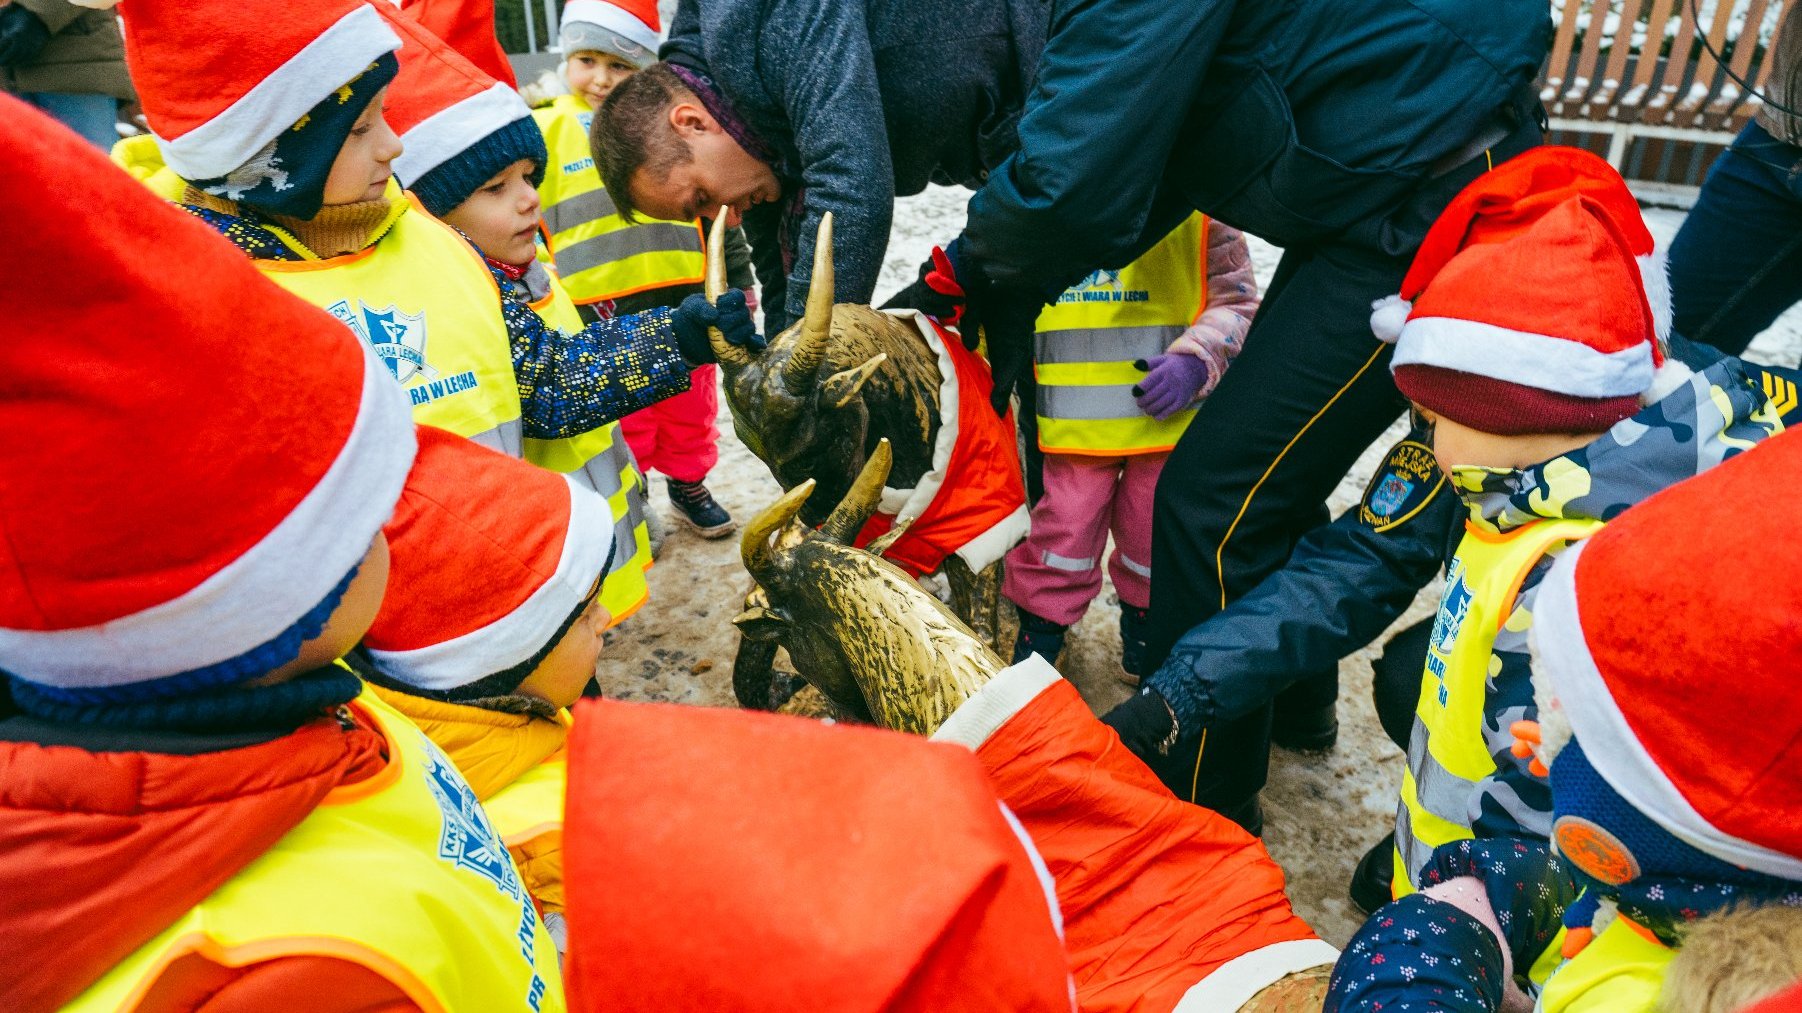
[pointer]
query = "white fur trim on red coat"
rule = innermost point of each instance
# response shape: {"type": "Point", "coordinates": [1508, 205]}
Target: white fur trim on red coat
{"type": "Point", "coordinates": [1562, 658]}
{"type": "Point", "coordinates": [256, 597]}
{"type": "Point", "coordinates": [977, 719]}
{"type": "Point", "coordinates": [1234, 983]}
{"type": "Point", "coordinates": [277, 102]}
{"type": "Point", "coordinates": [523, 632]}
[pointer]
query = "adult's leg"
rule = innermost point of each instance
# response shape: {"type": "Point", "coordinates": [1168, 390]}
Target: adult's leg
{"type": "Point", "coordinates": [1310, 391]}
{"type": "Point", "coordinates": [1395, 680]}
{"type": "Point", "coordinates": [94, 117]}
{"type": "Point", "coordinates": [1736, 264]}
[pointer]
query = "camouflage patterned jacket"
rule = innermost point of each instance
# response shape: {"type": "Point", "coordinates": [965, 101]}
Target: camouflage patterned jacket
{"type": "Point", "coordinates": [1718, 413]}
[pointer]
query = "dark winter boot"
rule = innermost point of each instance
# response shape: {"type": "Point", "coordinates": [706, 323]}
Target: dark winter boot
{"type": "Point", "coordinates": [1370, 880]}
{"type": "Point", "coordinates": [1134, 624]}
{"type": "Point", "coordinates": [697, 508]}
{"type": "Point", "coordinates": [1039, 636]}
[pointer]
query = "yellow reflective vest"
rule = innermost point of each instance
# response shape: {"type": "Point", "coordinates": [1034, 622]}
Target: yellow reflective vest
{"type": "Point", "coordinates": [1447, 753]}
{"type": "Point", "coordinates": [601, 460]}
{"type": "Point", "coordinates": [141, 157]}
{"type": "Point", "coordinates": [1620, 971]}
{"type": "Point", "coordinates": [599, 253]}
{"type": "Point", "coordinates": [1088, 340]}
{"type": "Point", "coordinates": [423, 299]}
{"type": "Point", "coordinates": [402, 873]}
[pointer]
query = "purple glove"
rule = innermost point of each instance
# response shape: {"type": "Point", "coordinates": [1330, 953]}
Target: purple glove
{"type": "Point", "coordinates": [1172, 382]}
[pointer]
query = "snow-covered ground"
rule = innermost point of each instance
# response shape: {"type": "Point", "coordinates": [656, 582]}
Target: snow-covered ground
{"type": "Point", "coordinates": [1322, 810]}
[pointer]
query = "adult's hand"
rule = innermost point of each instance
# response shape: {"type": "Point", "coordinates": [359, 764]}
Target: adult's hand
{"type": "Point", "coordinates": [1145, 723]}
{"type": "Point", "coordinates": [953, 290]}
{"type": "Point", "coordinates": [22, 35]}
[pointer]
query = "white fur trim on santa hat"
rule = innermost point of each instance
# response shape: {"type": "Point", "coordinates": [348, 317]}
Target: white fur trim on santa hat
{"type": "Point", "coordinates": [277, 102]}
{"type": "Point", "coordinates": [1563, 660]}
{"type": "Point", "coordinates": [256, 597]}
{"type": "Point", "coordinates": [523, 632]}
{"type": "Point", "coordinates": [613, 19]}
{"type": "Point", "coordinates": [1655, 278]}
{"type": "Point", "coordinates": [1234, 983]}
{"type": "Point", "coordinates": [1670, 375]}
{"type": "Point", "coordinates": [1559, 365]}
{"type": "Point", "coordinates": [1387, 315]}
{"type": "Point", "coordinates": [449, 132]}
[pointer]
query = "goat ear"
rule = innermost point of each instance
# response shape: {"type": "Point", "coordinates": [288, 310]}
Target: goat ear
{"type": "Point", "coordinates": [881, 544]}
{"type": "Point", "coordinates": [759, 623]}
{"type": "Point", "coordinates": [842, 386]}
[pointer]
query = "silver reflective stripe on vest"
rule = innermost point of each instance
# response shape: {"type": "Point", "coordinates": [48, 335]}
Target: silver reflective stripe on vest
{"type": "Point", "coordinates": [1414, 854]}
{"type": "Point", "coordinates": [1102, 401]}
{"type": "Point", "coordinates": [1439, 791]}
{"type": "Point", "coordinates": [1103, 344]}
{"type": "Point", "coordinates": [508, 438]}
{"type": "Point", "coordinates": [625, 543]}
{"type": "Point", "coordinates": [610, 247]}
{"type": "Point", "coordinates": [601, 472]}
{"type": "Point", "coordinates": [583, 207]}
{"type": "Point", "coordinates": [1068, 564]}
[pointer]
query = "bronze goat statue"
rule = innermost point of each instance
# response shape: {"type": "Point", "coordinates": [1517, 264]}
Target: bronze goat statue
{"type": "Point", "coordinates": [814, 406]}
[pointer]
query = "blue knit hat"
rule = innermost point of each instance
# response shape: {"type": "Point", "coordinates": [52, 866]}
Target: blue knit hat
{"type": "Point", "coordinates": [458, 126]}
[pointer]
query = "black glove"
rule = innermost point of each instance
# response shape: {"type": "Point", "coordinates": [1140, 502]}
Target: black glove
{"type": "Point", "coordinates": [691, 320]}
{"type": "Point", "coordinates": [22, 35]}
{"type": "Point", "coordinates": [1145, 723]}
{"type": "Point", "coordinates": [953, 290]}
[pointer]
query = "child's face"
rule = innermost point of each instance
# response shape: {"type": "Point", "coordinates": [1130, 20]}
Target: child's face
{"type": "Point", "coordinates": [501, 216]}
{"type": "Point", "coordinates": [592, 76]}
{"type": "Point", "coordinates": [362, 168]}
{"type": "Point", "coordinates": [560, 678]}
{"type": "Point", "coordinates": [1455, 444]}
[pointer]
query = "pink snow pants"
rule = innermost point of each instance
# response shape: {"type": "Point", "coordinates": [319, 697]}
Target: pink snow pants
{"type": "Point", "coordinates": [678, 436]}
{"type": "Point", "coordinates": [1056, 571]}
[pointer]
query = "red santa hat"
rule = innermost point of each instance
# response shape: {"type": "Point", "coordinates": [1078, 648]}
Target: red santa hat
{"type": "Point", "coordinates": [468, 27]}
{"type": "Point", "coordinates": [220, 85]}
{"type": "Point", "coordinates": [724, 860]}
{"type": "Point", "coordinates": [458, 126]}
{"type": "Point", "coordinates": [195, 461]}
{"type": "Point", "coordinates": [626, 28]}
{"type": "Point", "coordinates": [1669, 645]}
{"type": "Point", "coordinates": [492, 561]}
{"type": "Point", "coordinates": [1535, 303]}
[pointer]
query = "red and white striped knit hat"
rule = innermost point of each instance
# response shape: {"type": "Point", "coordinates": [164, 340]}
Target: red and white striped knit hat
{"type": "Point", "coordinates": [1670, 643]}
{"type": "Point", "coordinates": [1535, 303]}
{"type": "Point", "coordinates": [492, 561]}
{"type": "Point", "coordinates": [458, 126]}
{"type": "Point", "coordinates": [219, 83]}
{"type": "Point", "coordinates": [195, 460]}
{"type": "Point", "coordinates": [627, 28]}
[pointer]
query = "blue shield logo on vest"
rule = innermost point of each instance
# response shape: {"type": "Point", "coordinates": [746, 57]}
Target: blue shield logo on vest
{"type": "Point", "coordinates": [467, 839]}
{"type": "Point", "coordinates": [398, 338]}
{"type": "Point", "coordinates": [1454, 606]}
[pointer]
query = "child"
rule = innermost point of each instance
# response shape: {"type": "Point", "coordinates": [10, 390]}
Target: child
{"type": "Point", "coordinates": [491, 628]}
{"type": "Point", "coordinates": [472, 158]}
{"type": "Point", "coordinates": [200, 809]}
{"type": "Point", "coordinates": [1121, 360]}
{"type": "Point", "coordinates": [612, 266]}
{"type": "Point", "coordinates": [290, 159]}
{"type": "Point", "coordinates": [1532, 348]}
{"type": "Point", "coordinates": [1664, 669]}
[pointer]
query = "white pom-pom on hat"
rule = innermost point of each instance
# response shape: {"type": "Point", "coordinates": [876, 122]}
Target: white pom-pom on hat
{"type": "Point", "coordinates": [1387, 315]}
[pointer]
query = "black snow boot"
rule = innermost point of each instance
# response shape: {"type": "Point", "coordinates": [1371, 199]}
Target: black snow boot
{"type": "Point", "coordinates": [1370, 880]}
{"type": "Point", "coordinates": [697, 508]}
{"type": "Point", "coordinates": [1039, 636]}
{"type": "Point", "coordinates": [1134, 624]}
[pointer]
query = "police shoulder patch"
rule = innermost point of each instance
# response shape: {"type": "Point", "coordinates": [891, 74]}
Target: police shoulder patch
{"type": "Point", "coordinates": [1407, 481]}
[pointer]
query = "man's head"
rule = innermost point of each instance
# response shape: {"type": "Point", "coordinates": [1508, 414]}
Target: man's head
{"type": "Point", "coordinates": [662, 154]}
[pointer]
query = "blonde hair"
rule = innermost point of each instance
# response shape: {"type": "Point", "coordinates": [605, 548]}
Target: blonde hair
{"type": "Point", "coordinates": [1734, 958]}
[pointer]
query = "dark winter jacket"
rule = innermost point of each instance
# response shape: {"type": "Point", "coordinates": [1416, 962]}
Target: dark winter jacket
{"type": "Point", "coordinates": [1290, 119]}
{"type": "Point", "coordinates": [85, 54]}
{"type": "Point", "coordinates": [1347, 581]}
{"type": "Point", "coordinates": [861, 100]}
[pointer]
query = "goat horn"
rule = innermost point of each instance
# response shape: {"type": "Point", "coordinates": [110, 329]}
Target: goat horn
{"type": "Point", "coordinates": [726, 352]}
{"type": "Point", "coordinates": [809, 349]}
{"type": "Point", "coordinates": [755, 546]}
{"type": "Point", "coordinates": [841, 387]}
{"type": "Point", "coordinates": [852, 512]}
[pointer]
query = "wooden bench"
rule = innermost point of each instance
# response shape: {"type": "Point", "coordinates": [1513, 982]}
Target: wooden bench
{"type": "Point", "coordinates": [1668, 86]}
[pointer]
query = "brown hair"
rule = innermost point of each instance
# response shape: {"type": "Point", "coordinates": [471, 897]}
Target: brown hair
{"type": "Point", "coordinates": [631, 131]}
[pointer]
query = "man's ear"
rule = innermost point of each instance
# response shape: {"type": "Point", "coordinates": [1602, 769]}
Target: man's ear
{"type": "Point", "coordinates": [691, 119]}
